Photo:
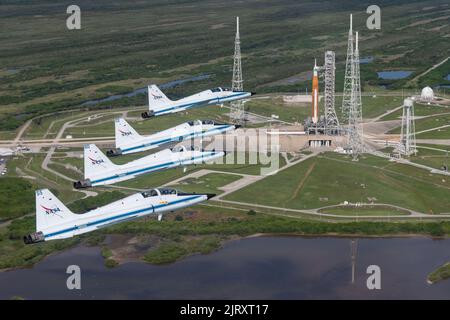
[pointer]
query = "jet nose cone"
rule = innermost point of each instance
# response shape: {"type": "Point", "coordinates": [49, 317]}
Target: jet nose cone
{"type": "Point", "coordinates": [252, 93]}
{"type": "Point", "coordinates": [237, 126]}
{"type": "Point", "coordinates": [210, 195]}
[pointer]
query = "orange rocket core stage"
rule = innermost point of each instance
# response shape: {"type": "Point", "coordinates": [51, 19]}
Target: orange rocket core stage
{"type": "Point", "coordinates": [315, 94]}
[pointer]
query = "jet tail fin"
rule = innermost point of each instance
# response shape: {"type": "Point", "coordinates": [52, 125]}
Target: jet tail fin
{"type": "Point", "coordinates": [156, 98]}
{"type": "Point", "coordinates": [50, 211]}
{"type": "Point", "coordinates": [125, 133]}
{"type": "Point", "coordinates": [95, 161]}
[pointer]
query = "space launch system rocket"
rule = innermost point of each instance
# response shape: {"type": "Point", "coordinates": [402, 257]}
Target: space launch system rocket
{"type": "Point", "coordinates": [315, 94]}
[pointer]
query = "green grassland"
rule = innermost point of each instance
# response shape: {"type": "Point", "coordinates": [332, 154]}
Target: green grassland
{"type": "Point", "coordinates": [365, 211]}
{"type": "Point", "coordinates": [338, 179]}
{"type": "Point", "coordinates": [30, 165]}
{"type": "Point", "coordinates": [125, 45]}
{"type": "Point", "coordinates": [70, 161]}
{"type": "Point", "coordinates": [286, 111]}
{"type": "Point", "coordinates": [47, 127]}
{"type": "Point", "coordinates": [202, 229]}
{"type": "Point", "coordinates": [420, 110]}
{"type": "Point", "coordinates": [428, 123]}
{"type": "Point", "coordinates": [199, 230]}
{"type": "Point", "coordinates": [149, 126]}
{"type": "Point", "coordinates": [432, 158]}
{"type": "Point", "coordinates": [441, 133]}
{"type": "Point", "coordinates": [171, 251]}
{"type": "Point", "coordinates": [162, 177]}
{"type": "Point", "coordinates": [209, 183]}
{"type": "Point", "coordinates": [16, 197]}
{"type": "Point", "coordinates": [66, 171]}
{"type": "Point", "coordinates": [374, 106]}
{"type": "Point", "coordinates": [425, 150]}
{"type": "Point", "coordinates": [436, 76]}
{"type": "Point", "coordinates": [438, 161]}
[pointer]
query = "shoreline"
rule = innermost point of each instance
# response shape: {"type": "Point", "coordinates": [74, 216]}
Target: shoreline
{"type": "Point", "coordinates": [127, 259]}
{"type": "Point", "coordinates": [348, 235]}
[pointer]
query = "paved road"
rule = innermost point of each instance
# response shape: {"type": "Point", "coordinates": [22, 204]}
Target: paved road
{"type": "Point", "coordinates": [433, 129]}
{"type": "Point", "coordinates": [21, 131]}
{"type": "Point", "coordinates": [444, 142]}
{"type": "Point", "coordinates": [386, 113]}
{"type": "Point", "coordinates": [249, 179]}
{"type": "Point", "coordinates": [430, 69]}
{"type": "Point", "coordinates": [49, 155]}
{"type": "Point", "coordinates": [315, 212]}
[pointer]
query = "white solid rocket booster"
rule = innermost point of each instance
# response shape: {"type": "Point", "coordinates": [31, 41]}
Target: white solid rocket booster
{"type": "Point", "coordinates": [315, 94]}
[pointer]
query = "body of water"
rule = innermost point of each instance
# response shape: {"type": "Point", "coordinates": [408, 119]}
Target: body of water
{"type": "Point", "coordinates": [253, 268]}
{"type": "Point", "coordinates": [366, 60]}
{"type": "Point", "coordinates": [164, 86]}
{"type": "Point", "coordinates": [445, 86]}
{"type": "Point", "coordinates": [393, 75]}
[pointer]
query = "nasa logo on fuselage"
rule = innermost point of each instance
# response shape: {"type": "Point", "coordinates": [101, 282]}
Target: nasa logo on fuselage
{"type": "Point", "coordinates": [94, 161]}
{"type": "Point", "coordinates": [51, 210]}
{"type": "Point", "coordinates": [125, 133]}
{"type": "Point", "coordinates": [156, 97]}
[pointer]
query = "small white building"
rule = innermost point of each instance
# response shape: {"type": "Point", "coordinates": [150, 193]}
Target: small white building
{"type": "Point", "coordinates": [299, 98]}
{"type": "Point", "coordinates": [4, 152]}
{"type": "Point", "coordinates": [427, 94]}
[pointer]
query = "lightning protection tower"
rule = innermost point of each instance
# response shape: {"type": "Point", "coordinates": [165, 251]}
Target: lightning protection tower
{"type": "Point", "coordinates": [346, 98]}
{"type": "Point", "coordinates": [237, 107]}
{"type": "Point", "coordinates": [332, 122]}
{"type": "Point", "coordinates": [408, 132]}
{"type": "Point", "coordinates": [355, 130]}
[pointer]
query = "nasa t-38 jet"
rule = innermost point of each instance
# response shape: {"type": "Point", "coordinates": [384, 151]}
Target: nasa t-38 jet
{"type": "Point", "coordinates": [55, 221]}
{"type": "Point", "coordinates": [159, 104]}
{"type": "Point", "coordinates": [129, 141]}
{"type": "Point", "coordinates": [99, 170]}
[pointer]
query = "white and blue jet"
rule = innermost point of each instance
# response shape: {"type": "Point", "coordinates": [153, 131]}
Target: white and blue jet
{"type": "Point", "coordinates": [55, 221]}
{"type": "Point", "coordinates": [127, 140]}
{"type": "Point", "coordinates": [99, 170]}
{"type": "Point", "coordinates": [159, 104]}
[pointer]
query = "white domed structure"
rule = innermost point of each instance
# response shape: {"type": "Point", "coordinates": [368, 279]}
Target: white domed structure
{"type": "Point", "coordinates": [427, 94]}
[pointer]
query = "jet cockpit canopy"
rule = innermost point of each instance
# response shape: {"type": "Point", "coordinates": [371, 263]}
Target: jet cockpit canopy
{"type": "Point", "coordinates": [150, 193]}
{"type": "Point", "coordinates": [179, 149]}
{"type": "Point", "coordinates": [195, 123]}
{"type": "Point", "coordinates": [168, 191]}
{"type": "Point", "coordinates": [159, 192]}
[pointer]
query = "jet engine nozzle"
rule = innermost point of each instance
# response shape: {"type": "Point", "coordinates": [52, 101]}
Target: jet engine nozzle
{"type": "Point", "coordinates": [148, 114]}
{"type": "Point", "coordinates": [82, 184]}
{"type": "Point", "coordinates": [114, 152]}
{"type": "Point", "coordinates": [34, 237]}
